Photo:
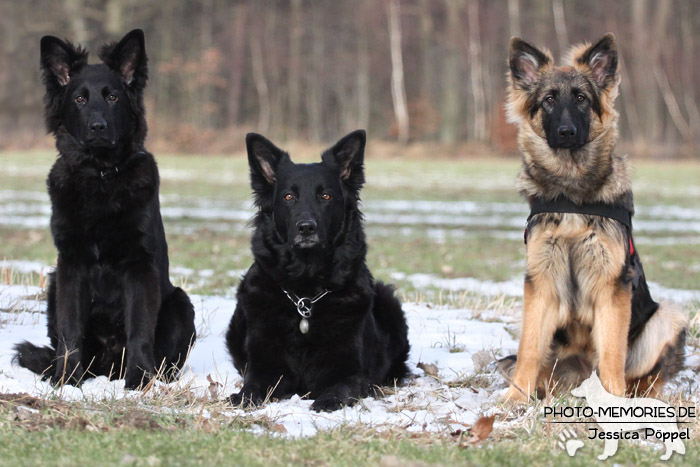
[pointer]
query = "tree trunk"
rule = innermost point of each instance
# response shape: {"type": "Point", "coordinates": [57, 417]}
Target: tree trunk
{"type": "Point", "coordinates": [514, 17]}
{"type": "Point", "coordinates": [260, 85]}
{"type": "Point", "coordinates": [238, 39]}
{"type": "Point", "coordinates": [114, 17]}
{"type": "Point", "coordinates": [363, 89]}
{"type": "Point", "coordinates": [75, 12]}
{"type": "Point", "coordinates": [475, 71]}
{"type": "Point", "coordinates": [293, 83]}
{"type": "Point", "coordinates": [560, 25]}
{"type": "Point", "coordinates": [316, 88]}
{"type": "Point", "coordinates": [398, 89]}
{"type": "Point", "coordinates": [688, 48]}
{"type": "Point", "coordinates": [451, 101]}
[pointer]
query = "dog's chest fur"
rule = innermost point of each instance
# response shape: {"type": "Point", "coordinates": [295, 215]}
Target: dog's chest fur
{"type": "Point", "coordinates": [574, 256]}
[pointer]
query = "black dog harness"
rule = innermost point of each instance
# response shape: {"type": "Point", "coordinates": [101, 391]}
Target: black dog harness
{"type": "Point", "coordinates": [566, 206]}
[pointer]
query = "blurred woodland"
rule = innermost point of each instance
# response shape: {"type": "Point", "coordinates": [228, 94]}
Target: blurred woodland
{"type": "Point", "coordinates": [407, 70]}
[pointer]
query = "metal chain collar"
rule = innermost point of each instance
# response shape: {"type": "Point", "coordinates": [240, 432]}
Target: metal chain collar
{"type": "Point", "coordinates": [304, 304]}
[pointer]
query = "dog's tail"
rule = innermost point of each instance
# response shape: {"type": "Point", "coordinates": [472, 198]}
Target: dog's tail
{"type": "Point", "coordinates": [660, 348]}
{"type": "Point", "coordinates": [40, 360]}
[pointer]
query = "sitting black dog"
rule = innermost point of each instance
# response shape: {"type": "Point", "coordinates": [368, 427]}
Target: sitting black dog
{"type": "Point", "coordinates": [310, 317]}
{"type": "Point", "coordinates": [111, 307]}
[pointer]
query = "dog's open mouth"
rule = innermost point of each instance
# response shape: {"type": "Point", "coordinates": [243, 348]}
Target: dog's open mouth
{"type": "Point", "coordinates": [302, 241]}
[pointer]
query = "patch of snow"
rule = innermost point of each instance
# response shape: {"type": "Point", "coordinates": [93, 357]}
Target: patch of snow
{"type": "Point", "coordinates": [661, 293]}
{"type": "Point", "coordinates": [444, 337]}
{"type": "Point", "coordinates": [513, 287]}
{"type": "Point", "coordinates": [24, 267]}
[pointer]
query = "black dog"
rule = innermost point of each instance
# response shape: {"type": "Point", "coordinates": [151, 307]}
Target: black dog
{"type": "Point", "coordinates": [310, 317]}
{"type": "Point", "coordinates": [110, 300]}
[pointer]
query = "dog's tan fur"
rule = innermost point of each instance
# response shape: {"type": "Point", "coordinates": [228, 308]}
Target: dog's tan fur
{"type": "Point", "coordinates": [576, 264]}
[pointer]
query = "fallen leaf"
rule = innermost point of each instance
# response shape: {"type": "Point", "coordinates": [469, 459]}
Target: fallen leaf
{"type": "Point", "coordinates": [481, 429]}
{"type": "Point", "coordinates": [279, 428]}
{"type": "Point", "coordinates": [213, 387]}
{"type": "Point", "coordinates": [428, 368]}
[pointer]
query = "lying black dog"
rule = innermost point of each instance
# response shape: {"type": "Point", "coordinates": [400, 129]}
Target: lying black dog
{"type": "Point", "coordinates": [310, 317]}
{"type": "Point", "coordinates": [110, 301]}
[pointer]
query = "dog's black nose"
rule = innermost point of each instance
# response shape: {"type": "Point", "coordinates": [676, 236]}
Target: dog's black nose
{"type": "Point", "coordinates": [306, 227]}
{"type": "Point", "coordinates": [98, 125]}
{"type": "Point", "coordinates": [567, 132]}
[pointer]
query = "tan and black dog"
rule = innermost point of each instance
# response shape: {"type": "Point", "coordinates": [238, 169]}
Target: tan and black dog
{"type": "Point", "coordinates": [586, 301]}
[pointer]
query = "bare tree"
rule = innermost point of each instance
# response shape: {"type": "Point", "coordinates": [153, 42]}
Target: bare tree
{"type": "Point", "coordinates": [239, 19]}
{"type": "Point", "coordinates": [560, 24]}
{"type": "Point", "coordinates": [416, 69]}
{"type": "Point", "coordinates": [74, 12]}
{"type": "Point", "coordinates": [363, 80]}
{"type": "Point", "coordinates": [450, 86]}
{"type": "Point", "coordinates": [294, 83]}
{"type": "Point", "coordinates": [398, 89]}
{"type": "Point", "coordinates": [260, 85]}
{"type": "Point", "coordinates": [514, 17]}
{"type": "Point", "coordinates": [475, 72]}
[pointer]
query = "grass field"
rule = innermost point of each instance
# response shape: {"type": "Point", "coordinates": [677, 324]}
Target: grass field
{"type": "Point", "coordinates": [448, 232]}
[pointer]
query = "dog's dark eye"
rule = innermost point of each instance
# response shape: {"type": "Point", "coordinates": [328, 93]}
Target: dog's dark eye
{"type": "Point", "coordinates": [549, 99]}
{"type": "Point", "coordinates": [288, 197]}
{"type": "Point", "coordinates": [112, 98]}
{"type": "Point", "coordinates": [326, 196]}
{"type": "Point", "coordinates": [80, 100]}
{"type": "Point", "coordinates": [580, 98]}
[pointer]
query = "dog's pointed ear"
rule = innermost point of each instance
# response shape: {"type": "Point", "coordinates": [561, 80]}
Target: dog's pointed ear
{"type": "Point", "coordinates": [348, 154]}
{"type": "Point", "coordinates": [59, 59]}
{"type": "Point", "coordinates": [525, 62]}
{"type": "Point", "coordinates": [601, 59]}
{"type": "Point", "coordinates": [128, 58]}
{"type": "Point", "coordinates": [263, 159]}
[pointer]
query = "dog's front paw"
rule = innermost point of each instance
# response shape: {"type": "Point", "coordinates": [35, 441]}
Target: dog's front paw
{"type": "Point", "coordinates": [245, 399]}
{"type": "Point", "coordinates": [137, 379]}
{"type": "Point", "coordinates": [330, 403]}
{"type": "Point", "coordinates": [514, 395]}
{"type": "Point", "coordinates": [71, 376]}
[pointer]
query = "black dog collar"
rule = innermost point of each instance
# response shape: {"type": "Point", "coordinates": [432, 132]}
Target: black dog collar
{"type": "Point", "coordinates": [109, 173]}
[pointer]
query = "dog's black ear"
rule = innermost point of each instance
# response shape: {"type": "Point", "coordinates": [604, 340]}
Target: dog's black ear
{"type": "Point", "coordinates": [525, 62]}
{"type": "Point", "coordinates": [263, 158]}
{"type": "Point", "coordinates": [59, 59]}
{"type": "Point", "coordinates": [128, 58]}
{"type": "Point", "coordinates": [349, 155]}
{"type": "Point", "coordinates": [601, 58]}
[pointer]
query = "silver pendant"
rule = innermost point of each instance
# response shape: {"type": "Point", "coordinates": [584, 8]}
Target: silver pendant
{"type": "Point", "coordinates": [304, 325]}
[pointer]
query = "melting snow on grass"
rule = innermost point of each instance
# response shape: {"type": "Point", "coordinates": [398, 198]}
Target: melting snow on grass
{"type": "Point", "coordinates": [446, 338]}
{"type": "Point", "coordinates": [458, 345]}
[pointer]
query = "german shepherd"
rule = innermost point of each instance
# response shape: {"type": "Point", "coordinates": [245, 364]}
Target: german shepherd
{"type": "Point", "coordinates": [586, 301]}
{"type": "Point", "coordinates": [310, 317]}
{"type": "Point", "coordinates": [110, 301]}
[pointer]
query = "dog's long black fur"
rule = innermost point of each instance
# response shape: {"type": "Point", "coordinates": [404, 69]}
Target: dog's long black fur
{"type": "Point", "coordinates": [111, 307]}
{"type": "Point", "coordinates": [309, 238]}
